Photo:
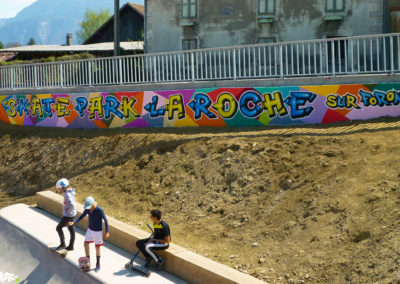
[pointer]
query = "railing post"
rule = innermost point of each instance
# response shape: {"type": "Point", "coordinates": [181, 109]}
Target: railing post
{"type": "Point", "coordinates": [352, 56]}
{"type": "Point", "coordinates": [281, 60]}
{"type": "Point", "coordinates": [12, 78]}
{"type": "Point", "coordinates": [61, 75]}
{"type": "Point", "coordinates": [90, 72]}
{"type": "Point", "coordinates": [155, 69]}
{"type": "Point", "coordinates": [192, 59]}
{"type": "Point", "coordinates": [234, 64]}
{"type": "Point", "coordinates": [120, 71]}
{"type": "Point", "coordinates": [391, 56]}
{"type": "Point", "coordinates": [35, 76]}
{"type": "Point", "coordinates": [333, 58]}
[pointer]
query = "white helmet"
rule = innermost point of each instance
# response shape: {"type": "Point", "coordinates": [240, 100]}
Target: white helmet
{"type": "Point", "coordinates": [62, 183]}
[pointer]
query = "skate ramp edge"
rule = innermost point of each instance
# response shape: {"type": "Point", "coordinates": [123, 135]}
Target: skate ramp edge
{"type": "Point", "coordinates": [179, 261]}
{"type": "Point", "coordinates": [26, 258]}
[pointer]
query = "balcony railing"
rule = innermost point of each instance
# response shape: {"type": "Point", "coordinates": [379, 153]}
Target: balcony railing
{"type": "Point", "coordinates": [373, 54]}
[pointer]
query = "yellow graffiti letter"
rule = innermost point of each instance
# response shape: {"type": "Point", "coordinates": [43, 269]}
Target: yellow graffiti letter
{"type": "Point", "coordinates": [127, 107]}
{"type": "Point", "coordinates": [390, 96]}
{"type": "Point", "coordinates": [96, 105]}
{"type": "Point", "coordinates": [175, 104]}
{"type": "Point", "coordinates": [61, 106]}
{"type": "Point", "coordinates": [274, 102]}
{"type": "Point", "coordinates": [226, 105]}
{"type": "Point", "coordinates": [331, 101]}
{"type": "Point", "coordinates": [12, 112]}
{"type": "Point", "coordinates": [352, 102]}
{"type": "Point", "coordinates": [36, 107]}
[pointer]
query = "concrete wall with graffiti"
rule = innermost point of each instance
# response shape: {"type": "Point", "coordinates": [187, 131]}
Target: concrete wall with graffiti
{"type": "Point", "coordinates": [216, 107]}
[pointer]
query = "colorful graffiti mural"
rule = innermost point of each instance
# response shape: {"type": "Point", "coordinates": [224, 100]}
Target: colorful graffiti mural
{"type": "Point", "coordinates": [216, 107]}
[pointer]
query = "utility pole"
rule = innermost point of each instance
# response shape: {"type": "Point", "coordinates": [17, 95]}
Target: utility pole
{"type": "Point", "coordinates": [116, 29]}
{"type": "Point", "coordinates": [145, 27]}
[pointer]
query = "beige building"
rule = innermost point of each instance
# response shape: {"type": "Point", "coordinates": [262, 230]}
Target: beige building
{"type": "Point", "coordinates": [189, 24]}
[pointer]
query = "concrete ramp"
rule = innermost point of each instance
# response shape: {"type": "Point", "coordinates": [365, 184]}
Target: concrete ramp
{"type": "Point", "coordinates": [31, 262]}
{"type": "Point", "coordinates": [26, 232]}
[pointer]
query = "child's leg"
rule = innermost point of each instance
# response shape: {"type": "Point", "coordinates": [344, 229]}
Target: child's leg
{"type": "Point", "coordinates": [140, 244]}
{"type": "Point", "coordinates": [152, 247]}
{"type": "Point", "coordinates": [97, 250]}
{"type": "Point", "coordinates": [160, 260]}
{"type": "Point", "coordinates": [88, 239]}
{"type": "Point", "coordinates": [87, 251]}
{"type": "Point", "coordinates": [63, 222]}
{"type": "Point", "coordinates": [98, 240]}
{"type": "Point", "coordinates": [98, 256]}
{"type": "Point", "coordinates": [72, 233]}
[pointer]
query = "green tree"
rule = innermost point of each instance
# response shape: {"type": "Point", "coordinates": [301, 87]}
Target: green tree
{"type": "Point", "coordinates": [92, 21]}
{"type": "Point", "coordinates": [32, 41]}
{"type": "Point", "coordinates": [13, 44]}
{"type": "Point", "coordinates": [141, 34]}
{"type": "Point", "coordinates": [1, 45]}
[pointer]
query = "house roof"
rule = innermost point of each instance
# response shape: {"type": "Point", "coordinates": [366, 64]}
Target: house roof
{"type": "Point", "coordinates": [136, 7]}
{"type": "Point", "coordinates": [5, 56]}
{"type": "Point", "coordinates": [105, 46]}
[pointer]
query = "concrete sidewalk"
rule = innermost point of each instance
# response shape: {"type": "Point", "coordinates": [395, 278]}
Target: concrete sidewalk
{"type": "Point", "coordinates": [26, 233]}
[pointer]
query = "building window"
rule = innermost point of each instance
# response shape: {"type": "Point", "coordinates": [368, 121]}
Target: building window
{"type": "Point", "coordinates": [266, 7]}
{"type": "Point", "coordinates": [189, 44]}
{"type": "Point", "coordinates": [266, 40]}
{"type": "Point", "coordinates": [334, 5]}
{"type": "Point", "coordinates": [189, 8]}
{"type": "Point", "coordinates": [395, 21]}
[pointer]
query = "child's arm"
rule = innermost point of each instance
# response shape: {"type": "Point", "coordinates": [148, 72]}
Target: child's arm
{"type": "Point", "coordinates": [68, 203]}
{"type": "Point", "coordinates": [106, 223]}
{"type": "Point", "coordinates": [79, 218]}
{"type": "Point", "coordinates": [167, 235]}
{"type": "Point", "coordinates": [166, 240]}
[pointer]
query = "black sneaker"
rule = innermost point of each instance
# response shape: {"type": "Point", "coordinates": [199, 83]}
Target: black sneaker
{"type": "Point", "coordinates": [60, 247]}
{"type": "Point", "coordinates": [70, 247]}
{"type": "Point", "coordinates": [97, 266]}
{"type": "Point", "coordinates": [160, 263]}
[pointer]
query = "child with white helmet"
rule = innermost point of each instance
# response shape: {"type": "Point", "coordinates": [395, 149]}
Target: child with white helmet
{"type": "Point", "coordinates": [69, 212]}
{"type": "Point", "coordinates": [95, 231]}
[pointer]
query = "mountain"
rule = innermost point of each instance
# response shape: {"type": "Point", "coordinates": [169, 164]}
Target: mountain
{"type": "Point", "coordinates": [48, 21]}
{"type": "Point", "coordinates": [2, 22]}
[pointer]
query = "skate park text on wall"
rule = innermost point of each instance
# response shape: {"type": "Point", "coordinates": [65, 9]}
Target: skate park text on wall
{"type": "Point", "coordinates": [215, 107]}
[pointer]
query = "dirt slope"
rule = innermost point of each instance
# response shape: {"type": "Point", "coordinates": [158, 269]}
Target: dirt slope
{"type": "Point", "coordinates": [289, 205]}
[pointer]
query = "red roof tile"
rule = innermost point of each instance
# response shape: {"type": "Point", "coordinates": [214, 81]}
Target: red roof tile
{"type": "Point", "coordinates": [137, 7]}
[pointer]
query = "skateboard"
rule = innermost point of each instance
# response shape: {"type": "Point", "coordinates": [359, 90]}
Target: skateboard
{"type": "Point", "coordinates": [61, 252]}
{"type": "Point", "coordinates": [138, 268]}
{"type": "Point", "coordinates": [84, 264]}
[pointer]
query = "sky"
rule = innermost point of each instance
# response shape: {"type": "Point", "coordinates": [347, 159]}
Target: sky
{"type": "Point", "coordinates": [10, 8]}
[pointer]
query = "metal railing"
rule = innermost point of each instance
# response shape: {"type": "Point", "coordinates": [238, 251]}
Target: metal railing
{"type": "Point", "coordinates": [374, 54]}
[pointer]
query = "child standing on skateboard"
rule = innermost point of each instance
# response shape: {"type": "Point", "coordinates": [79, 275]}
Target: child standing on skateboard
{"type": "Point", "coordinates": [95, 231]}
{"type": "Point", "coordinates": [160, 240]}
{"type": "Point", "coordinates": [69, 212]}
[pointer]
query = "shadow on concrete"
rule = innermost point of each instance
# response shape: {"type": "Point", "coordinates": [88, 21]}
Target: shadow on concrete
{"type": "Point", "coordinates": [127, 273]}
{"type": "Point", "coordinates": [34, 262]}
